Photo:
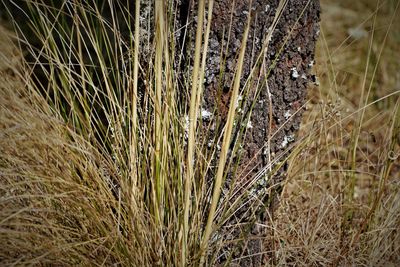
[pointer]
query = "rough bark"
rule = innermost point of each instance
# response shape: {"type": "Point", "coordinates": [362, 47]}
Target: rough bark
{"type": "Point", "coordinates": [268, 139]}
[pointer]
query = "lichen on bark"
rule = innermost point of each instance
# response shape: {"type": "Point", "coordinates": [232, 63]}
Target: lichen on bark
{"type": "Point", "coordinates": [271, 104]}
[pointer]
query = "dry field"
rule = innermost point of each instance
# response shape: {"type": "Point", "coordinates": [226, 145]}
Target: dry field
{"type": "Point", "coordinates": [341, 201]}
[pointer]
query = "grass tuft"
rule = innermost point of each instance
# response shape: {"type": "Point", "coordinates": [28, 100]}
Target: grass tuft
{"type": "Point", "coordinates": [97, 166]}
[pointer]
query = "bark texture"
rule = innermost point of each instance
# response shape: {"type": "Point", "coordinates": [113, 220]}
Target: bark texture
{"type": "Point", "coordinates": [269, 122]}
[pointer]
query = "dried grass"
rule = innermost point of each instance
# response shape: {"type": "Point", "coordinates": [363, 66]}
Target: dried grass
{"type": "Point", "coordinates": [312, 226]}
{"type": "Point", "coordinates": [340, 205]}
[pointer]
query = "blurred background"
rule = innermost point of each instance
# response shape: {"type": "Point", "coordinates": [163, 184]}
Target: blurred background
{"type": "Point", "coordinates": [341, 202]}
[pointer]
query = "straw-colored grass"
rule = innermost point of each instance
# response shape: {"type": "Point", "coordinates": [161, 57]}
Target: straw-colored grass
{"type": "Point", "coordinates": [340, 203]}
{"type": "Point", "coordinates": [105, 176]}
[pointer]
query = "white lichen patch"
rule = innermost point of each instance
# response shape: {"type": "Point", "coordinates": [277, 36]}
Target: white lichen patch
{"type": "Point", "coordinates": [295, 73]}
{"type": "Point", "coordinates": [311, 64]}
{"type": "Point", "coordinates": [267, 8]}
{"type": "Point", "coordinates": [265, 152]}
{"type": "Point", "coordinates": [303, 76]}
{"type": "Point", "coordinates": [249, 125]}
{"type": "Point", "coordinates": [287, 140]}
{"type": "Point", "coordinates": [287, 114]}
{"type": "Point", "coordinates": [205, 114]}
{"type": "Point", "coordinates": [210, 144]}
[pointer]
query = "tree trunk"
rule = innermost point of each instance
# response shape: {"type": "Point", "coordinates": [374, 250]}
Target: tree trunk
{"type": "Point", "coordinates": [271, 109]}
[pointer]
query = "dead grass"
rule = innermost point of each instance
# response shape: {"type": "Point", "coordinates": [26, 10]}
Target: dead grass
{"type": "Point", "coordinates": [338, 207]}
{"type": "Point", "coordinates": [55, 187]}
{"type": "Point", "coordinates": [324, 220]}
